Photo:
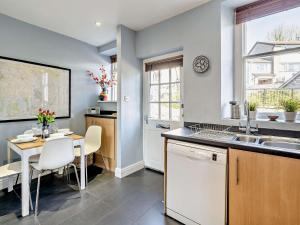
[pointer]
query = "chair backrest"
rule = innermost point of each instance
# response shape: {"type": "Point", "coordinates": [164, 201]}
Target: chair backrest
{"type": "Point", "coordinates": [56, 153]}
{"type": "Point", "coordinates": [93, 138]}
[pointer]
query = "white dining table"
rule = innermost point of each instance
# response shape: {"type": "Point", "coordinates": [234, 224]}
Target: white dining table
{"type": "Point", "coordinates": [26, 150]}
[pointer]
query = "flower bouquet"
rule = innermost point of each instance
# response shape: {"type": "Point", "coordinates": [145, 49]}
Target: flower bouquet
{"type": "Point", "coordinates": [103, 81]}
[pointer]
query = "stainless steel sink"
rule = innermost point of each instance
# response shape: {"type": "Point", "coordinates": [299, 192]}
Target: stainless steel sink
{"type": "Point", "coordinates": [283, 145]}
{"type": "Point", "coordinates": [278, 139]}
{"type": "Point", "coordinates": [271, 141]}
{"type": "Point", "coordinates": [246, 138]}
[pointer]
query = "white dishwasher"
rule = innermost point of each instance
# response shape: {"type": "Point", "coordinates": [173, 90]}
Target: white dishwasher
{"type": "Point", "coordinates": [196, 183]}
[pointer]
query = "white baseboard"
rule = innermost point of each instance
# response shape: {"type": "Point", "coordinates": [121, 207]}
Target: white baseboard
{"type": "Point", "coordinates": [123, 172]}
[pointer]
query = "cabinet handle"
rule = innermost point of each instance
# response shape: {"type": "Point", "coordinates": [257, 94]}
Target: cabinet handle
{"type": "Point", "coordinates": [237, 171]}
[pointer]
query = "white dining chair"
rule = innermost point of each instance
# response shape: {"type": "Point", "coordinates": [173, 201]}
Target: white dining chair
{"type": "Point", "coordinates": [57, 153]}
{"type": "Point", "coordinates": [9, 171]}
{"type": "Point", "coordinates": [92, 143]}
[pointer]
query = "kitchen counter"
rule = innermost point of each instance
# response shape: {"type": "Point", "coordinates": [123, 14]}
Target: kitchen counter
{"type": "Point", "coordinates": [109, 116]}
{"type": "Point", "coordinates": [184, 134]}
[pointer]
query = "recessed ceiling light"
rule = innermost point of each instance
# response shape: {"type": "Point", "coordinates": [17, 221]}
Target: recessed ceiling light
{"type": "Point", "coordinates": [98, 24]}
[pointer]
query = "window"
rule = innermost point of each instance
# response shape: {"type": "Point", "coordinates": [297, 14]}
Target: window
{"type": "Point", "coordinates": [114, 76]}
{"type": "Point", "coordinates": [272, 58]}
{"type": "Point", "coordinates": [165, 97]}
{"type": "Point", "coordinates": [289, 67]}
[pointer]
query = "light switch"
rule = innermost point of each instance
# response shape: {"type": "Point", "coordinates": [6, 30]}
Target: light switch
{"type": "Point", "coordinates": [126, 98]}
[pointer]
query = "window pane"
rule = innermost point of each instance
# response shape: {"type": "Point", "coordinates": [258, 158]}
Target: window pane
{"type": "Point", "coordinates": [270, 79]}
{"type": "Point", "coordinates": [175, 74]}
{"type": "Point", "coordinates": [164, 111]}
{"type": "Point", "coordinates": [154, 77]}
{"type": "Point", "coordinates": [269, 85]}
{"type": "Point", "coordinates": [175, 108]}
{"type": "Point", "coordinates": [164, 93]}
{"type": "Point", "coordinates": [273, 33]}
{"type": "Point", "coordinates": [175, 92]}
{"type": "Point", "coordinates": [164, 76]}
{"type": "Point", "coordinates": [154, 111]}
{"type": "Point", "coordinates": [154, 93]}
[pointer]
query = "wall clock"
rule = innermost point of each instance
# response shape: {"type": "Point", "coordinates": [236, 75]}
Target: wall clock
{"type": "Point", "coordinates": [200, 64]}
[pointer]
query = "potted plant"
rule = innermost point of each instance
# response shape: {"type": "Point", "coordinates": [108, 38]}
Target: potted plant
{"type": "Point", "coordinates": [45, 117]}
{"type": "Point", "coordinates": [103, 82]}
{"type": "Point", "coordinates": [290, 107]}
{"type": "Point", "coordinates": [252, 110]}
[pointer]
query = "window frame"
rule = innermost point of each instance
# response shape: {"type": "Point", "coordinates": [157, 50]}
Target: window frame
{"type": "Point", "coordinates": [241, 57]}
{"type": "Point", "coordinates": [114, 88]}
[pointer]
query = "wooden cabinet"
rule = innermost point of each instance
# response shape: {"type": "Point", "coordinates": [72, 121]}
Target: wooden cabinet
{"type": "Point", "coordinates": [263, 189]}
{"type": "Point", "coordinates": [108, 142]}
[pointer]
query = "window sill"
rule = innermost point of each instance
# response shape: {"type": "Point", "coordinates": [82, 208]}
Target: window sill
{"type": "Point", "coordinates": [265, 123]}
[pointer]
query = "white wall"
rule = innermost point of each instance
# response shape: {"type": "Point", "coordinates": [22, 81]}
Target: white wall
{"type": "Point", "coordinates": [197, 32]}
{"type": "Point", "coordinates": [24, 41]}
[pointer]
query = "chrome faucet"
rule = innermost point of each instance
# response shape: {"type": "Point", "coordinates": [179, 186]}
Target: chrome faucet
{"type": "Point", "coordinates": [248, 129]}
{"type": "Point", "coordinates": [247, 113]}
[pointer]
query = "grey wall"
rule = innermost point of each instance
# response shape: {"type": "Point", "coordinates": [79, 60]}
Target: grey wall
{"type": "Point", "coordinates": [197, 32]}
{"type": "Point", "coordinates": [130, 127]}
{"type": "Point", "coordinates": [24, 41]}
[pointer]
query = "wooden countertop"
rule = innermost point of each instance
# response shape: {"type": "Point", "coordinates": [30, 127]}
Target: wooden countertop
{"type": "Point", "coordinates": [40, 142]}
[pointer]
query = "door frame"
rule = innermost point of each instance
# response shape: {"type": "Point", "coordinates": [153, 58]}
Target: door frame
{"type": "Point", "coordinates": [146, 90]}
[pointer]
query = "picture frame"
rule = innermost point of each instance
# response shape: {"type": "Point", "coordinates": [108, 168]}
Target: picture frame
{"type": "Point", "coordinates": [32, 96]}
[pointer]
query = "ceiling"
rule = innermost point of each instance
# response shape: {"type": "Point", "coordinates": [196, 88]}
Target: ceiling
{"type": "Point", "coordinates": [237, 3]}
{"type": "Point", "coordinates": [77, 18]}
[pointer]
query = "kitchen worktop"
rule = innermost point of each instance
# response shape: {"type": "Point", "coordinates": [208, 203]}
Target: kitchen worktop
{"type": "Point", "coordinates": [104, 114]}
{"type": "Point", "coordinates": [185, 134]}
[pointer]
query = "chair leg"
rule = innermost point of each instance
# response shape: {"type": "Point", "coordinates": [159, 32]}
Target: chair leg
{"type": "Point", "coordinates": [86, 172]}
{"type": "Point", "coordinates": [17, 179]}
{"type": "Point", "coordinates": [19, 197]}
{"type": "Point", "coordinates": [64, 173]}
{"type": "Point", "coordinates": [30, 179]}
{"type": "Point", "coordinates": [103, 160]}
{"type": "Point", "coordinates": [68, 174]}
{"type": "Point", "coordinates": [76, 174]}
{"type": "Point", "coordinates": [37, 195]}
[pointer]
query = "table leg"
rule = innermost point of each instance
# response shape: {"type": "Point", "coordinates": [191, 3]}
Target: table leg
{"type": "Point", "coordinates": [25, 185]}
{"type": "Point", "coordinates": [9, 154]}
{"type": "Point", "coordinates": [82, 165]}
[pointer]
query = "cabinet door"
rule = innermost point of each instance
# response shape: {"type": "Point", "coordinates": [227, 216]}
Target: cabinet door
{"type": "Point", "coordinates": [89, 121]}
{"type": "Point", "coordinates": [263, 189]}
{"type": "Point", "coordinates": [108, 136]}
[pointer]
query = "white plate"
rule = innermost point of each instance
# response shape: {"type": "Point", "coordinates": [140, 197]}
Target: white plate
{"type": "Point", "coordinates": [65, 130]}
{"type": "Point", "coordinates": [68, 133]}
{"type": "Point", "coordinates": [18, 141]}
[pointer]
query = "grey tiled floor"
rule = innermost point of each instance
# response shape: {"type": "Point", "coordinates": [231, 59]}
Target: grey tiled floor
{"type": "Point", "coordinates": [134, 200]}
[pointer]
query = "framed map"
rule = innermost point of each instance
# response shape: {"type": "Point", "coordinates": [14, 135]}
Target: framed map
{"type": "Point", "coordinates": [27, 86]}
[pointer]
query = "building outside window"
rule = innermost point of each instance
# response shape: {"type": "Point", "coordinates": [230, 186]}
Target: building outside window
{"type": "Point", "coordinates": [272, 59]}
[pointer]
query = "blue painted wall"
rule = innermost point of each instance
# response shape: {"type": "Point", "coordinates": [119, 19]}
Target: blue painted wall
{"type": "Point", "coordinates": [24, 41]}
